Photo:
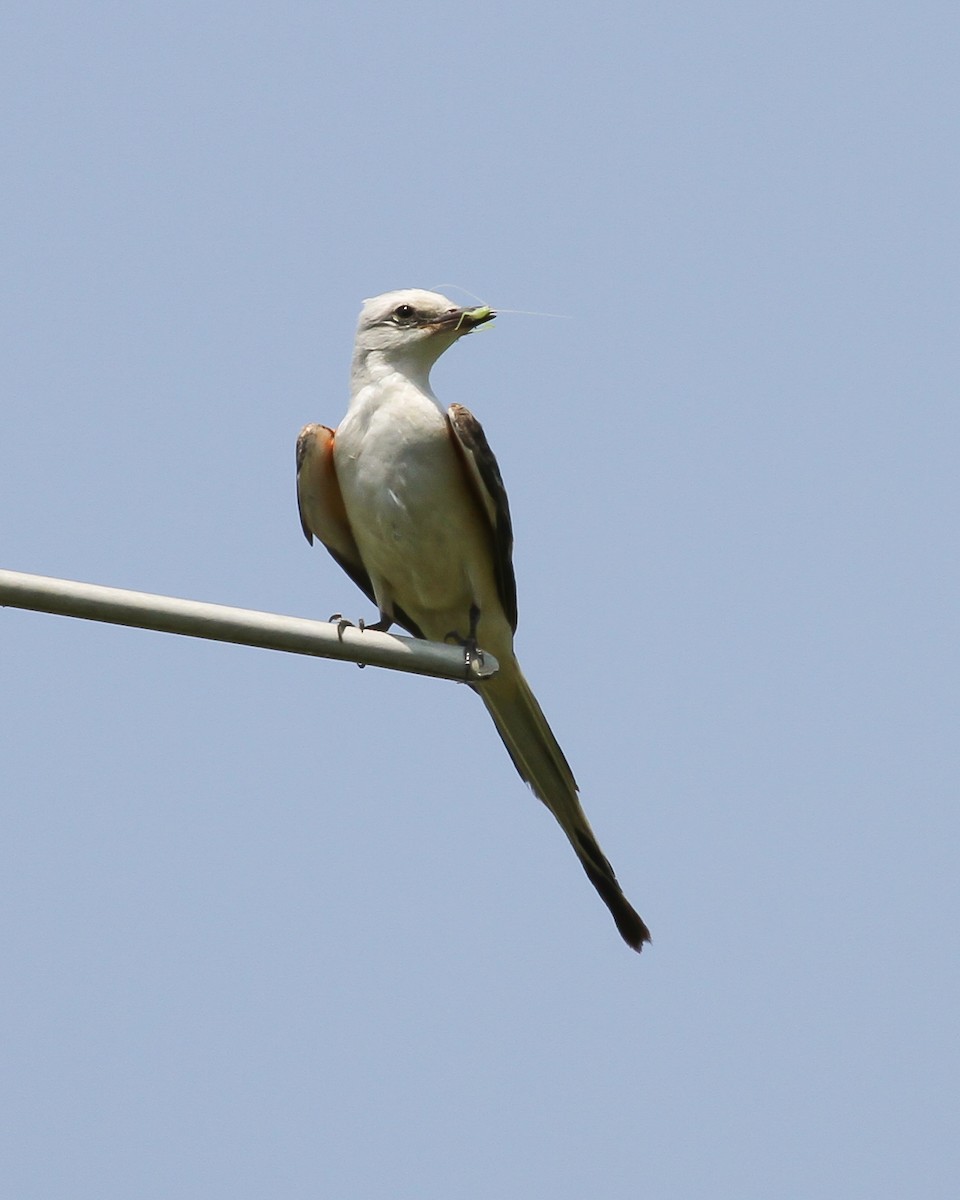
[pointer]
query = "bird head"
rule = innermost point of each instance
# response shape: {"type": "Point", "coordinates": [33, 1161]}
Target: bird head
{"type": "Point", "coordinates": [412, 328]}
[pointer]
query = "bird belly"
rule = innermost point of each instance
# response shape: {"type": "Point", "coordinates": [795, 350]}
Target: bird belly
{"type": "Point", "coordinates": [422, 537]}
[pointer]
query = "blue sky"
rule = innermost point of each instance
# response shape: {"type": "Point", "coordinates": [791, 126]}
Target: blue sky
{"type": "Point", "coordinates": [281, 927]}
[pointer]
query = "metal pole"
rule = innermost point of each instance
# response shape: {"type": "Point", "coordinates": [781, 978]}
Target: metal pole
{"type": "Point", "coordinates": [220, 623]}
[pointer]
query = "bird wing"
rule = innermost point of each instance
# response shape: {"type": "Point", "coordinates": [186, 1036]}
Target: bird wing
{"type": "Point", "coordinates": [323, 514]}
{"type": "Point", "coordinates": [486, 484]}
{"type": "Point", "coordinates": [322, 511]}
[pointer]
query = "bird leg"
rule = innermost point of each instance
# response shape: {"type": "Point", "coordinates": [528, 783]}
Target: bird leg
{"type": "Point", "coordinates": [471, 651]}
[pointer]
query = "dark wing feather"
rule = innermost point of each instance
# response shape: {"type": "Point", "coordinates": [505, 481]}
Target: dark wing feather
{"type": "Point", "coordinates": [484, 475]}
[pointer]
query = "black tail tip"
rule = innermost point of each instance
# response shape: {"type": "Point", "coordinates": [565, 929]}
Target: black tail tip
{"type": "Point", "coordinates": [631, 925]}
{"type": "Point", "coordinates": [632, 928]}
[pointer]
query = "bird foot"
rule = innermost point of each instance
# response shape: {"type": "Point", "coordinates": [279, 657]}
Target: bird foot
{"type": "Point", "coordinates": [472, 654]}
{"type": "Point", "coordinates": [341, 623]}
{"type": "Point", "coordinates": [381, 626]}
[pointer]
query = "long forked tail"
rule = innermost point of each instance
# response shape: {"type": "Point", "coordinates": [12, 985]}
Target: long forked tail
{"type": "Point", "coordinates": [541, 763]}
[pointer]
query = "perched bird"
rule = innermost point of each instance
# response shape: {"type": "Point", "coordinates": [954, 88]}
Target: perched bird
{"type": "Point", "coordinates": [408, 499]}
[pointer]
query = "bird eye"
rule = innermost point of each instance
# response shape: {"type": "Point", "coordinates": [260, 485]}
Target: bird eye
{"type": "Point", "coordinates": [403, 312]}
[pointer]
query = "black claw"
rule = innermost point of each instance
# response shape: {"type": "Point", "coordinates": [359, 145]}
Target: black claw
{"type": "Point", "coordinates": [341, 623]}
{"type": "Point", "coordinates": [382, 626]}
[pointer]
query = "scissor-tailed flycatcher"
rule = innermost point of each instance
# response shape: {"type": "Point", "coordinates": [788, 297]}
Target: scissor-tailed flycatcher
{"type": "Point", "coordinates": [409, 501]}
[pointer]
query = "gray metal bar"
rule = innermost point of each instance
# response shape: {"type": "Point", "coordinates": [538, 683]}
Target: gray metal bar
{"type": "Point", "coordinates": [220, 623]}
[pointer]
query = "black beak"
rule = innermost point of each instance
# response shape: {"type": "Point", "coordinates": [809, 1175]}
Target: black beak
{"type": "Point", "coordinates": [462, 320]}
